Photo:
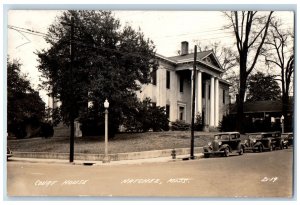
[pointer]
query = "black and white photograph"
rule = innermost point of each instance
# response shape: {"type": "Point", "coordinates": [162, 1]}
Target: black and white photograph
{"type": "Point", "coordinates": [150, 103]}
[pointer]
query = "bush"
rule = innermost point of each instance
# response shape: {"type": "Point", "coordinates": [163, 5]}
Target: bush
{"type": "Point", "coordinates": [46, 130]}
{"type": "Point", "coordinates": [228, 123]}
{"type": "Point", "coordinates": [179, 125]}
{"type": "Point", "coordinates": [146, 117]}
{"type": "Point", "coordinates": [199, 123]}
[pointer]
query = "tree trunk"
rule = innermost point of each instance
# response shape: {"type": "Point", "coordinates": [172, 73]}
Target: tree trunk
{"type": "Point", "coordinates": [285, 106]}
{"type": "Point", "coordinates": [240, 100]}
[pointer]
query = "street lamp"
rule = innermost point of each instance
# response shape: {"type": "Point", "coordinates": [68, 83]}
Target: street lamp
{"type": "Point", "coordinates": [282, 123]}
{"type": "Point", "coordinates": [106, 106]}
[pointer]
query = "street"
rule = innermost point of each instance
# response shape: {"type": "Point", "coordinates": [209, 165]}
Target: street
{"type": "Point", "coordinates": [267, 174]}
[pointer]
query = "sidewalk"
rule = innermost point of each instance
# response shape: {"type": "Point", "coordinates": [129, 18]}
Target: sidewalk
{"type": "Point", "coordinates": [100, 163]}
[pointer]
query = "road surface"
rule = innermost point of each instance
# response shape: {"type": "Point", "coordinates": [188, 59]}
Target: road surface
{"type": "Point", "coordinates": [268, 174]}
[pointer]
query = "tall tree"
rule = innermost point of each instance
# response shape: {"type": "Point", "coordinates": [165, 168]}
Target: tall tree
{"type": "Point", "coordinates": [250, 30]}
{"type": "Point", "coordinates": [110, 62]}
{"type": "Point", "coordinates": [280, 53]}
{"type": "Point", "coordinates": [263, 87]}
{"type": "Point", "coordinates": [24, 105]}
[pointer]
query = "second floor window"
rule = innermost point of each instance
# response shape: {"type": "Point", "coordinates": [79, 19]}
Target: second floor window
{"type": "Point", "coordinates": [168, 80]}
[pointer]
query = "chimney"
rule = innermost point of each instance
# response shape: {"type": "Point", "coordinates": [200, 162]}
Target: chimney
{"type": "Point", "coordinates": [184, 48]}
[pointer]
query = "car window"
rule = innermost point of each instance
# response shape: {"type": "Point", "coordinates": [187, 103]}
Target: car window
{"type": "Point", "coordinates": [257, 137]}
{"type": "Point", "coordinates": [225, 137]}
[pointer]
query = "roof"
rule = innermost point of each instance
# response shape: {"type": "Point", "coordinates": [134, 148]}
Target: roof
{"type": "Point", "coordinates": [189, 58]}
{"type": "Point", "coordinates": [200, 56]}
{"type": "Point", "coordinates": [261, 106]}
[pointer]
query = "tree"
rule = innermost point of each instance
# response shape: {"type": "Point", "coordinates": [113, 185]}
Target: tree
{"type": "Point", "coordinates": [250, 30]}
{"type": "Point", "coordinates": [263, 87]}
{"type": "Point", "coordinates": [24, 105]}
{"type": "Point", "coordinates": [280, 53]}
{"type": "Point", "coordinates": [108, 62]}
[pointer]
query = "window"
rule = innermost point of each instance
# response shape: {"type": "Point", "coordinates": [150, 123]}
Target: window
{"type": "Point", "coordinates": [181, 113]}
{"type": "Point", "coordinates": [154, 73]}
{"type": "Point", "coordinates": [168, 80]}
{"type": "Point", "coordinates": [224, 92]}
{"type": "Point", "coordinates": [181, 84]}
{"type": "Point", "coordinates": [168, 111]}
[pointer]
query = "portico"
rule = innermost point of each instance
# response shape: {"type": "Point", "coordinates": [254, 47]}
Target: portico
{"type": "Point", "coordinates": [172, 87]}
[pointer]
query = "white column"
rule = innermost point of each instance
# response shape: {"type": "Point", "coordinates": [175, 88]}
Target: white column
{"type": "Point", "coordinates": [212, 101]}
{"type": "Point", "coordinates": [199, 93]}
{"type": "Point", "coordinates": [206, 117]}
{"type": "Point", "coordinates": [217, 102]}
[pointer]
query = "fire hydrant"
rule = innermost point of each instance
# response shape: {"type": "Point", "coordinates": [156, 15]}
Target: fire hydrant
{"type": "Point", "coordinates": [173, 154]}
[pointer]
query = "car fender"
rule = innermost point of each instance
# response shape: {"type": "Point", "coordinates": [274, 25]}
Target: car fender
{"type": "Point", "coordinates": [257, 144]}
{"type": "Point", "coordinates": [240, 146]}
{"type": "Point", "coordinates": [223, 146]}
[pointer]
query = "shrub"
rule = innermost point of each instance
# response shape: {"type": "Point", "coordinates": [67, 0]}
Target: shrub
{"type": "Point", "coordinates": [199, 123]}
{"type": "Point", "coordinates": [228, 123]}
{"type": "Point", "coordinates": [46, 130]}
{"type": "Point", "coordinates": [147, 116]}
{"type": "Point", "coordinates": [180, 125]}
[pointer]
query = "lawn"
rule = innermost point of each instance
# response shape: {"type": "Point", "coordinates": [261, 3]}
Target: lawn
{"type": "Point", "coordinates": [122, 143]}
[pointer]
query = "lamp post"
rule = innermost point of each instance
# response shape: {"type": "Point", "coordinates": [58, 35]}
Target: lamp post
{"type": "Point", "coordinates": [106, 106]}
{"type": "Point", "coordinates": [282, 123]}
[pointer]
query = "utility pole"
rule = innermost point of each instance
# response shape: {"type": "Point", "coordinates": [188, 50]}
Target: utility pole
{"type": "Point", "coordinates": [72, 92]}
{"type": "Point", "coordinates": [193, 104]}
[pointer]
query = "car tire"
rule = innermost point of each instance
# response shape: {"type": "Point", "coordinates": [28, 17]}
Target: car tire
{"type": "Point", "coordinates": [241, 151]}
{"type": "Point", "coordinates": [260, 149]}
{"type": "Point", "coordinates": [206, 155]}
{"type": "Point", "coordinates": [226, 152]}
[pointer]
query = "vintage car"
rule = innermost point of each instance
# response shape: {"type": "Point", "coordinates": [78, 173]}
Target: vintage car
{"type": "Point", "coordinates": [288, 139]}
{"type": "Point", "coordinates": [224, 144]}
{"type": "Point", "coordinates": [277, 140]}
{"type": "Point", "coordinates": [263, 141]}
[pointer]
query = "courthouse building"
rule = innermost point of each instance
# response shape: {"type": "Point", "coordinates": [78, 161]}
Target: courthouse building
{"type": "Point", "coordinates": [172, 87]}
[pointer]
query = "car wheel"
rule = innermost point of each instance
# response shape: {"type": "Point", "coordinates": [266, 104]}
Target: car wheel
{"type": "Point", "coordinates": [271, 148]}
{"type": "Point", "coordinates": [241, 151]}
{"type": "Point", "coordinates": [260, 149]}
{"type": "Point", "coordinates": [281, 146]}
{"type": "Point", "coordinates": [226, 152]}
{"type": "Point", "coordinates": [206, 155]}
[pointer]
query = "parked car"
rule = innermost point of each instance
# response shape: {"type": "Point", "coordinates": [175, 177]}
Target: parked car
{"type": "Point", "coordinates": [288, 139]}
{"type": "Point", "coordinates": [263, 141]}
{"type": "Point", "coordinates": [9, 153]}
{"type": "Point", "coordinates": [224, 144]}
{"type": "Point", "coordinates": [277, 141]}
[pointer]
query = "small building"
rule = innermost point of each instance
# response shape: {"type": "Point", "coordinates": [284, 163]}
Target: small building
{"type": "Point", "coordinates": [171, 87]}
{"type": "Point", "coordinates": [266, 110]}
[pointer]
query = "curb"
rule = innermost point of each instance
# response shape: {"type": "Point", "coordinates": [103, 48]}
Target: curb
{"type": "Point", "coordinates": [100, 163]}
{"type": "Point", "coordinates": [113, 157]}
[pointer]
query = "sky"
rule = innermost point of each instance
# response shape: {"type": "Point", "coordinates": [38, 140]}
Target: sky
{"type": "Point", "coordinates": [167, 29]}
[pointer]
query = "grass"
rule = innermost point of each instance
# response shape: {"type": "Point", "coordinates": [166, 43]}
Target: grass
{"type": "Point", "coordinates": [122, 143]}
